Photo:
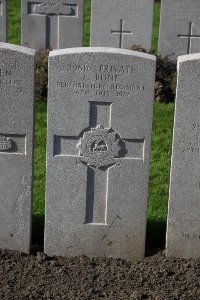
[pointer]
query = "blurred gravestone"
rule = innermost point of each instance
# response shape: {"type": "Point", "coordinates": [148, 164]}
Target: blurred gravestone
{"type": "Point", "coordinates": [50, 24]}
{"type": "Point", "coordinates": [16, 145]}
{"type": "Point", "coordinates": [183, 234]}
{"type": "Point", "coordinates": [3, 20]}
{"type": "Point", "coordinates": [179, 27]}
{"type": "Point", "coordinates": [99, 129]}
{"type": "Point", "coordinates": [121, 23]}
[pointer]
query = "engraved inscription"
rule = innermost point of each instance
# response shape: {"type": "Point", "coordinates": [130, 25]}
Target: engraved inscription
{"type": "Point", "coordinates": [4, 72]}
{"type": "Point", "coordinates": [191, 236]}
{"type": "Point", "coordinates": [191, 145]}
{"type": "Point", "coordinates": [138, 10]}
{"type": "Point", "coordinates": [183, 10]}
{"type": "Point", "coordinates": [99, 147]}
{"type": "Point", "coordinates": [5, 143]}
{"type": "Point", "coordinates": [106, 81]}
{"type": "Point", "coordinates": [10, 64]}
{"type": "Point", "coordinates": [196, 126]}
{"type": "Point", "coordinates": [102, 68]}
{"type": "Point", "coordinates": [7, 72]}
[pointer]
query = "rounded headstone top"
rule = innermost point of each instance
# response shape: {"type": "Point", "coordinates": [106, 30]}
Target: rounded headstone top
{"type": "Point", "coordinates": [184, 58]}
{"type": "Point", "coordinates": [17, 48]}
{"type": "Point", "coordinates": [101, 50]}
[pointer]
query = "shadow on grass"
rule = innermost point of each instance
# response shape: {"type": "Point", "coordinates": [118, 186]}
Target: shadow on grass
{"type": "Point", "coordinates": [37, 234]}
{"type": "Point", "coordinates": [156, 235]}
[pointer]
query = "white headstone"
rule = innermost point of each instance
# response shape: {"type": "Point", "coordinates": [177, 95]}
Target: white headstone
{"type": "Point", "coordinates": [16, 145]}
{"type": "Point", "coordinates": [121, 23]}
{"type": "Point", "coordinates": [179, 27]}
{"type": "Point", "coordinates": [183, 234]}
{"type": "Point", "coordinates": [3, 20]}
{"type": "Point", "coordinates": [99, 129]}
{"type": "Point", "coordinates": [50, 24]}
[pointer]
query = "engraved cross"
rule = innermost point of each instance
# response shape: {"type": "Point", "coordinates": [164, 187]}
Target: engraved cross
{"type": "Point", "coordinates": [121, 32]}
{"type": "Point", "coordinates": [189, 36]}
{"type": "Point", "coordinates": [52, 10]}
{"type": "Point", "coordinates": [100, 149]}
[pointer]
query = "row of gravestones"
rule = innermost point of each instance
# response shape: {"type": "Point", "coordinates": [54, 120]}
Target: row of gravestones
{"type": "Point", "coordinates": [98, 150]}
{"type": "Point", "coordinates": [117, 23]}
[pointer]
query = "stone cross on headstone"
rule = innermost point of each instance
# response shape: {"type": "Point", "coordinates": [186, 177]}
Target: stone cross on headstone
{"type": "Point", "coordinates": [121, 32]}
{"type": "Point", "coordinates": [58, 22]}
{"type": "Point", "coordinates": [100, 148]}
{"type": "Point", "coordinates": [135, 15]}
{"type": "Point", "coordinates": [190, 36]}
{"type": "Point", "coordinates": [176, 17]}
{"type": "Point", "coordinates": [53, 12]}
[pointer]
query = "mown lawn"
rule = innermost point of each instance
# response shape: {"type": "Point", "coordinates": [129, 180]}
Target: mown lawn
{"type": "Point", "coordinates": [161, 141]}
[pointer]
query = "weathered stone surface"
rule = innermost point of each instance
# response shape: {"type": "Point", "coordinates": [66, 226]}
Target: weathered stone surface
{"type": "Point", "coordinates": [99, 129]}
{"type": "Point", "coordinates": [50, 24]}
{"type": "Point", "coordinates": [133, 18]}
{"type": "Point", "coordinates": [179, 27]}
{"type": "Point", "coordinates": [183, 235]}
{"type": "Point", "coordinates": [3, 20]}
{"type": "Point", "coordinates": [16, 145]}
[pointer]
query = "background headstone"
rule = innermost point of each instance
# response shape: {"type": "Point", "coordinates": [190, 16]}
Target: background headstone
{"type": "Point", "coordinates": [179, 27]}
{"type": "Point", "coordinates": [47, 24]}
{"type": "Point", "coordinates": [3, 20]}
{"type": "Point", "coordinates": [121, 23]}
{"type": "Point", "coordinates": [16, 145]}
{"type": "Point", "coordinates": [183, 234]}
{"type": "Point", "coordinates": [99, 129]}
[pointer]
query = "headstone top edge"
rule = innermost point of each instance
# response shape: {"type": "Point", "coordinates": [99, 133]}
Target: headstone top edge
{"type": "Point", "coordinates": [17, 48]}
{"type": "Point", "coordinates": [92, 1]}
{"type": "Point", "coordinates": [101, 50]}
{"type": "Point", "coordinates": [188, 57]}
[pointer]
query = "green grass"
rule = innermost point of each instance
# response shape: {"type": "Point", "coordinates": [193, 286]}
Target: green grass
{"type": "Point", "coordinates": [159, 172]}
{"type": "Point", "coordinates": [161, 142]}
{"type": "Point", "coordinates": [160, 159]}
{"type": "Point", "coordinates": [40, 157]}
{"type": "Point", "coordinates": [87, 12]}
{"type": "Point", "coordinates": [155, 32]}
{"type": "Point", "coordinates": [14, 21]}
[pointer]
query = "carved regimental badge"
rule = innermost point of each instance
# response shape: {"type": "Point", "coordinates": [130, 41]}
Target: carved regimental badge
{"type": "Point", "coordinates": [5, 143]}
{"type": "Point", "coordinates": [99, 147]}
{"type": "Point", "coordinates": [54, 7]}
